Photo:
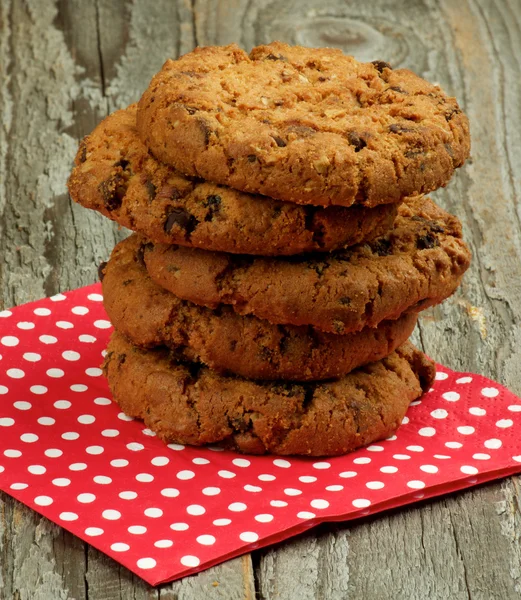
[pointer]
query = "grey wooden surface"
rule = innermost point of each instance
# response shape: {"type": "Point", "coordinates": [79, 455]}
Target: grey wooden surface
{"type": "Point", "coordinates": [65, 64]}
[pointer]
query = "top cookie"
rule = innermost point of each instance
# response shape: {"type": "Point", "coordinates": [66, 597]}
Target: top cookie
{"type": "Point", "coordinates": [310, 126]}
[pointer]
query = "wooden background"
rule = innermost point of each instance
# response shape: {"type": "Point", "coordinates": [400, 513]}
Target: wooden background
{"type": "Point", "coordinates": [64, 65]}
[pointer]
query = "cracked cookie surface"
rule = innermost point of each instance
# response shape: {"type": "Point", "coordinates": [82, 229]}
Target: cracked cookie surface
{"type": "Point", "coordinates": [151, 316]}
{"type": "Point", "coordinates": [115, 175]}
{"type": "Point", "coordinates": [311, 126]}
{"type": "Point", "coordinates": [417, 264]}
{"type": "Point", "coordinates": [191, 404]}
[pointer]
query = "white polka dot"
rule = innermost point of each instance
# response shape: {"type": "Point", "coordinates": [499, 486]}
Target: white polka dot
{"type": "Point", "coordinates": [145, 477]}
{"type": "Point", "coordinates": [62, 404]}
{"type": "Point", "coordinates": [38, 389]}
{"type": "Point", "coordinates": [237, 506]}
{"type": "Point", "coordinates": [249, 536]}
{"type": "Point", "coordinates": [36, 469]}
{"type": "Point", "coordinates": [22, 405]}
{"type": "Point", "coordinates": [195, 510]}
{"type": "Point", "coordinates": [102, 479]}
{"type": "Point", "coordinates": [55, 373]}
{"type": "Point", "coordinates": [416, 484]}
{"type": "Point", "coordinates": [48, 421]}
{"type": "Point", "coordinates": [42, 312]}
{"type": "Point", "coordinates": [94, 531]}
{"type": "Point", "coordinates": [32, 357]}
{"type": "Point", "coordinates": [48, 339]}
{"type": "Point", "coordinates": [102, 401]}
{"type": "Point", "coordinates": [200, 461]}
{"type": "Point", "coordinates": [375, 485]}
{"type": "Point", "coordinates": [61, 482]}
{"type": "Point", "coordinates": [226, 474]}
{"type": "Point", "coordinates": [79, 310]}
{"type": "Point", "coordinates": [15, 373]}
{"type": "Point", "coordinates": [321, 465]}
{"type": "Point", "coordinates": [94, 450]}
{"type": "Point", "coordinates": [439, 413]}
{"type": "Point", "coordinates": [283, 464]}
{"type": "Point", "coordinates": [252, 488]}
{"type": "Point", "coordinates": [78, 467]}
{"type": "Point", "coordinates": [363, 460]}
{"type": "Point", "coordinates": [148, 432]}
{"type": "Point", "coordinates": [137, 529]}
{"type": "Point", "coordinates": [429, 468]}
{"type": "Point", "coordinates": [442, 456]}
{"type": "Point", "coordinates": [427, 431]}
{"type": "Point", "coordinates": [127, 495]}
{"type": "Point", "coordinates": [190, 561]}
{"type": "Point", "coordinates": [95, 297]}
{"type": "Point", "coordinates": [163, 544]}
{"type": "Point", "coordinates": [178, 447]}
{"type": "Point", "coordinates": [466, 430]}
{"type": "Point", "coordinates": [119, 462]}
{"type": "Point", "coordinates": [451, 396]}
{"type": "Point", "coordinates": [405, 420]}
{"type": "Point", "coordinates": [64, 324]}
{"type": "Point", "coordinates": [119, 547]}
{"type": "Point", "coordinates": [303, 514]}
{"type": "Point", "coordinates": [348, 474]}
{"type": "Point", "coordinates": [179, 526]}
{"type": "Point", "coordinates": [490, 392]}
{"type": "Point", "coordinates": [514, 408]}
{"type": "Point", "coordinates": [12, 453]}
{"type": "Point", "coordinates": [86, 419]}
{"type": "Point", "coordinates": [170, 492]}
{"type": "Point", "coordinates": [221, 522]}
{"type": "Point", "coordinates": [6, 422]}
{"type": "Point", "coordinates": [102, 324]}
{"type": "Point", "coordinates": [79, 387]}
{"type": "Point", "coordinates": [184, 475]}
{"type": "Point", "coordinates": [374, 448]}
{"type": "Point", "coordinates": [278, 503]}
{"type": "Point", "coordinates": [477, 412]}
{"type": "Point", "coordinates": [440, 376]}
{"type": "Point", "coordinates": [361, 503]}
{"type": "Point", "coordinates": [43, 500]}
{"type": "Point", "coordinates": [135, 446]}
{"type": "Point", "coordinates": [205, 540]}
{"type": "Point", "coordinates": [481, 456]}
{"type": "Point", "coordinates": [401, 456]}
{"type": "Point", "coordinates": [292, 492]}
{"type": "Point", "coordinates": [9, 341]}
{"type": "Point", "coordinates": [516, 458]}
{"type": "Point", "coordinates": [153, 513]}
{"type": "Point", "coordinates": [319, 503]}
{"type": "Point", "coordinates": [5, 313]}
{"type": "Point", "coordinates": [58, 297]}
{"type": "Point", "coordinates": [111, 515]}
{"type": "Point", "coordinates": [464, 380]}
{"type": "Point", "coordinates": [71, 355]}
{"type": "Point", "coordinates": [493, 444]}
{"type": "Point", "coordinates": [504, 423]}
{"type": "Point", "coordinates": [264, 518]}
{"type": "Point", "coordinates": [415, 448]}
{"type": "Point", "coordinates": [468, 470]}
{"type": "Point", "coordinates": [266, 477]}
{"type": "Point", "coordinates": [85, 498]}
{"type": "Point", "coordinates": [19, 486]}
{"type": "Point", "coordinates": [334, 488]}
{"type": "Point", "coordinates": [307, 479]}
{"type": "Point", "coordinates": [87, 339]}
{"type": "Point", "coordinates": [453, 445]}
{"type": "Point", "coordinates": [93, 372]}
{"type": "Point", "coordinates": [389, 469]}
{"type": "Point", "coordinates": [241, 462]}
{"type": "Point", "coordinates": [29, 438]}
{"type": "Point", "coordinates": [3, 390]}
{"type": "Point", "coordinates": [25, 325]}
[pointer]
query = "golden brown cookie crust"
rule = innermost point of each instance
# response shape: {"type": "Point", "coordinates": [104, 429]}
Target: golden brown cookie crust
{"type": "Point", "coordinates": [115, 175]}
{"type": "Point", "coordinates": [310, 126]}
{"type": "Point", "coordinates": [151, 316]}
{"type": "Point", "coordinates": [417, 264]}
{"type": "Point", "coordinates": [191, 404]}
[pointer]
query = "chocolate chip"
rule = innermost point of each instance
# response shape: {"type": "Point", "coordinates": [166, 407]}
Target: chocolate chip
{"type": "Point", "coordinates": [178, 217]}
{"type": "Point", "coordinates": [356, 141]}
{"type": "Point", "coordinates": [398, 128]}
{"type": "Point", "coordinates": [382, 247]}
{"type": "Point", "coordinates": [151, 189]}
{"type": "Point", "coordinates": [345, 300]}
{"type": "Point", "coordinates": [213, 203]}
{"type": "Point", "coordinates": [414, 153]}
{"type": "Point", "coordinates": [233, 345]}
{"type": "Point", "coordinates": [113, 191]}
{"type": "Point", "coordinates": [279, 141]}
{"type": "Point", "coordinates": [140, 254]}
{"type": "Point", "coordinates": [265, 353]}
{"type": "Point", "coordinates": [127, 282]}
{"type": "Point", "coordinates": [205, 130]}
{"type": "Point", "coordinates": [427, 241]}
{"type": "Point", "coordinates": [122, 163]}
{"type": "Point", "coordinates": [275, 57]}
{"type": "Point", "coordinates": [252, 158]}
{"type": "Point", "coordinates": [284, 339]}
{"type": "Point", "coordinates": [191, 110]}
{"type": "Point", "coordinates": [380, 65]}
{"type": "Point", "coordinates": [301, 130]}
{"type": "Point", "coordinates": [83, 152]}
{"type": "Point", "coordinates": [451, 112]}
{"type": "Point", "coordinates": [101, 271]}
{"type": "Point", "coordinates": [322, 78]}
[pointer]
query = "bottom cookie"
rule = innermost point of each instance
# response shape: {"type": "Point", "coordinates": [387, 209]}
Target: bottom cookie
{"type": "Point", "coordinates": [191, 404]}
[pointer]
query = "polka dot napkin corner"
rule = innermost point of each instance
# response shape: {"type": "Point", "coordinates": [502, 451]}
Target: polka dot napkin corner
{"type": "Point", "coordinates": [67, 451]}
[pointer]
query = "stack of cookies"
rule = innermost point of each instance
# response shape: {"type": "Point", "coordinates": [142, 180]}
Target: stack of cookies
{"type": "Point", "coordinates": [283, 246]}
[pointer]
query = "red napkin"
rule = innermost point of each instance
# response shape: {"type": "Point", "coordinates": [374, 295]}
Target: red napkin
{"type": "Point", "coordinates": [68, 452]}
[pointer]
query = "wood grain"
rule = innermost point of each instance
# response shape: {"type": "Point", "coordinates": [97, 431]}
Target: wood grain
{"type": "Point", "coordinates": [65, 64]}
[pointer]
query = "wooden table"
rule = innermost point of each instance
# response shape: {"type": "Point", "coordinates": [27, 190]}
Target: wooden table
{"type": "Point", "coordinates": [66, 64]}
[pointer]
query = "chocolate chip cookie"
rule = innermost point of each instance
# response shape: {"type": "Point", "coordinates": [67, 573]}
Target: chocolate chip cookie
{"type": "Point", "coordinates": [310, 126]}
{"type": "Point", "coordinates": [417, 264]}
{"type": "Point", "coordinates": [188, 403]}
{"type": "Point", "coordinates": [115, 175]}
{"type": "Point", "coordinates": [151, 316]}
